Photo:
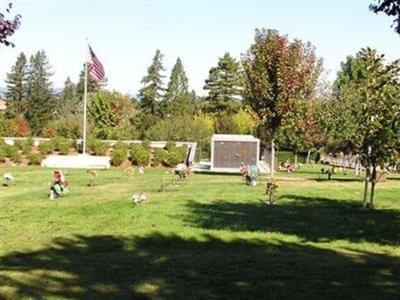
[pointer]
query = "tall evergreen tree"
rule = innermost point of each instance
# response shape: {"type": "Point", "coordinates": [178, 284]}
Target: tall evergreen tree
{"type": "Point", "coordinates": [224, 85]}
{"type": "Point", "coordinates": [150, 94]}
{"type": "Point", "coordinates": [40, 97]}
{"type": "Point", "coordinates": [69, 102]}
{"type": "Point", "coordinates": [178, 100]}
{"type": "Point", "coordinates": [17, 88]}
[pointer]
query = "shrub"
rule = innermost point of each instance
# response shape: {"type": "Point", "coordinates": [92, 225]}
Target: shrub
{"type": "Point", "coordinates": [19, 144]}
{"type": "Point", "coordinates": [25, 146]}
{"type": "Point", "coordinates": [98, 147]}
{"type": "Point", "coordinates": [35, 159]}
{"type": "Point", "coordinates": [64, 149]}
{"type": "Point", "coordinates": [183, 151]}
{"type": "Point", "coordinates": [136, 147]}
{"type": "Point", "coordinates": [46, 147]}
{"type": "Point", "coordinates": [146, 144]}
{"type": "Point", "coordinates": [170, 145]}
{"type": "Point", "coordinates": [62, 145]}
{"type": "Point", "coordinates": [121, 146]}
{"type": "Point", "coordinates": [118, 156]}
{"type": "Point", "coordinates": [17, 127]}
{"type": "Point", "coordinates": [174, 158]}
{"type": "Point", "coordinates": [10, 151]}
{"type": "Point", "coordinates": [160, 157]}
{"type": "Point", "coordinates": [17, 157]}
{"type": "Point", "coordinates": [140, 156]}
{"type": "Point", "coordinates": [3, 155]}
{"type": "Point", "coordinates": [101, 148]}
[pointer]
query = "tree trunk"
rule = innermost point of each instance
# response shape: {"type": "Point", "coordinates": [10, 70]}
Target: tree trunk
{"type": "Point", "coordinates": [373, 183]}
{"type": "Point", "coordinates": [308, 156]}
{"type": "Point", "coordinates": [272, 157]}
{"type": "Point", "coordinates": [356, 166]}
{"type": "Point", "coordinates": [295, 160]}
{"type": "Point", "coordinates": [366, 187]}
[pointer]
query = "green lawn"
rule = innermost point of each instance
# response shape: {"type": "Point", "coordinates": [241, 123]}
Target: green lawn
{"type": "Point", "coordinates": [209, 238]}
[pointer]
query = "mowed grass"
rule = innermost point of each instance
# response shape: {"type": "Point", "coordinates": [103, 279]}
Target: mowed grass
{"type": "Point", "coordinates": [211, 237]}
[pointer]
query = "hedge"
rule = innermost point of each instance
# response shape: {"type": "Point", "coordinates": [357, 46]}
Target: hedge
{"type": "Point", "coordinates": [118, 156]}
{"type": "Point", "coordinates": [35, 159]}
{"type": "Point", "coordinates": [139, 155]}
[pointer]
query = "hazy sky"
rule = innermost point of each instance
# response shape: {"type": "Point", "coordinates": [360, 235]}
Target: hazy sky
{"type": "Point", "coordinates": [125, 33]}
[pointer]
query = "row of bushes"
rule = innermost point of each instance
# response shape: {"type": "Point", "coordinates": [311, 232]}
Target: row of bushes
{"type": "Point", "coordinates": [142, 154]}
{"type": "Point", "coordinates": [15, 153]}
{"type": "Point", "coordinates": [139, 154]}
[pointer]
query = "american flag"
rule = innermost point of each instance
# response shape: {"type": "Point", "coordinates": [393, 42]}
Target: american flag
{"type": "Point", "coordinates": [96, 69]}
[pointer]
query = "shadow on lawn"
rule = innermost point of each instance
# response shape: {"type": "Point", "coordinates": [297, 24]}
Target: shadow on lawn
{"type": "Point", "coordinates": [339, 179]}
{"type": "Point", "coordinates": [309, 218]}
{"type": "Point", "coordinates": [170, 267]}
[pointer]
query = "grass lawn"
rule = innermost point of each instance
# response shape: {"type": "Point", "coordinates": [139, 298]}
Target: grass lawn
{"type": "Point", "coordinates": [210, 238]}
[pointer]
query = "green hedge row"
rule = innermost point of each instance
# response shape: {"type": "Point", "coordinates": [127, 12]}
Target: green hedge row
{"type": "Point", "coordinates": [143, 155]}
{"type": "Point", "coordinates": [139, 154]}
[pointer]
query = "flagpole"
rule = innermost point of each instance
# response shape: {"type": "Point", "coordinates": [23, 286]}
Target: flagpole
{"type": "Point", "coordinates": [84, 107]}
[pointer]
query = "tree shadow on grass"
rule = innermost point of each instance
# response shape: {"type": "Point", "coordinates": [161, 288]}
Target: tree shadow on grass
{"type": "Point", "coordinates": [393, 178]}
{"type": "Point", "coordinates": [310, 218]}
{"type": "Point", "coordinates": [339, 179]}
{"type": "Point", "coordinates": [161, 266]}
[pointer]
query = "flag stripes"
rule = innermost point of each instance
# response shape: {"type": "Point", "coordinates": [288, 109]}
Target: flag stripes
{"type": "Point", "coordinates": [96, 69]}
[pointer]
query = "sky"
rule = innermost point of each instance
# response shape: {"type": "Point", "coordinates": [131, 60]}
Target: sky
{"type": "Point", "coordinates": [126, 33]}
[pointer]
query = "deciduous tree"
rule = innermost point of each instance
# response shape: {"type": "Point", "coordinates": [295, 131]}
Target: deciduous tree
{"type": "Point", "coordinates": [373, 103]}
{"type": "Point", "coordinates": [110, 114]}
{"type": "Point", "coordinates": [278, 72]}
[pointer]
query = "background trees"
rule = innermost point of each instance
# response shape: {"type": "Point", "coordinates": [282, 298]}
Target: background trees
{"type": "Point", "coordinates": [40, 98]}
{"type": "Point", "coordinates": [150, 95]}
{"type": "Point", "coordinates": [224, 86]}
{"type": "Point", "coordinates": [17, 88]}
{"type": "Point", "coordinates": [111, 114]}
{"type": "Point", "coordinates": [69, 100]}
{"type": "Point", "coordinates": [178, 100]}
{"type": "Point", "coordinates": [391, 8]}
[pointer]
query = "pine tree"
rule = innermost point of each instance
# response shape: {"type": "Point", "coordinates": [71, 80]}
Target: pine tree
{"type": "Point", "coordinates": [69, 102]}
{"type": "Point", "coordinates": [178, 100]}
{"type": "Point", "coordinates": [17, 88]}
{"type": "Point", "coordinates": [224, 85]}
{"type": "Point", "coordinates": [40, 97]}
{"type": "Point", "coordinates": [150, 94]}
